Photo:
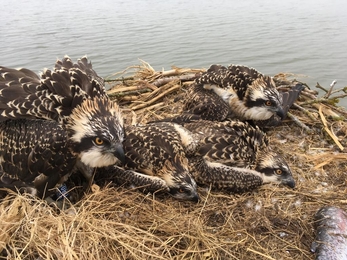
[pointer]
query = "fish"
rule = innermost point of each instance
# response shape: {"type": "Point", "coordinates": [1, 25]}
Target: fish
{"type": "Point", "coordinates": [331, 234]}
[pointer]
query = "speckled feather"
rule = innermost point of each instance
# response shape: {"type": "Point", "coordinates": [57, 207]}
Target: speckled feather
{"type": "Point", "coordinates": [237, 77]}
{"type": "Point", "coordinates": [232, 143]}
{"type": "Point", "coordinates": [73, 95]}
{"type": "Point", "coordinates": [158, 151]}
{"type": "Point", "coordinates": [236, 156]}
{"type": "Point", "coordinates": [130, 178]}
{"type": "Point", "coordinates": [206, 103]}
{"type": "Point", "coordinates": [236, 92]}
{"type": "Point", "coordinates": [34, 156]}
{"type": "Point", "coordinates": [53, 95]}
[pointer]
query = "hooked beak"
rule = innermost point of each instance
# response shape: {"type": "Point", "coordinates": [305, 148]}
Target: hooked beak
{"type": "Point", "coordinates": [280, 113]}
{"type": "Point", "coordinates": [119, 153]}
{"type": "Point", "coordinates": [195, 198]}
{"type": "Point", "coordinates": [289, 182]}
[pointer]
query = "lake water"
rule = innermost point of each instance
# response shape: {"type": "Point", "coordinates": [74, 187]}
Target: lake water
{"type": "Point", "coordinates": [300, 36]}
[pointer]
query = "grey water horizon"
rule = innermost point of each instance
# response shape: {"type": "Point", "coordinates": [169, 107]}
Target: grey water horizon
{"type": "Point", "coordinates": [306, 38]}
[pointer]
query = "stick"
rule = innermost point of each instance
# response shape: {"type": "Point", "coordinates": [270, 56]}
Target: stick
{"type": "Point", "coordinates": [175, 87]}
{"type": "Point", "coordinates": [320, 87]}
{"type": "Point", "coordinates": [306, 112]}
{"type": "Point", "coordinates": [332, 135]}
{"type": "Point", "coordinates": [163, 81]}
{"type": "Point", "coordinates": [324, 100]}
{"type": "Point", "coordinates": [299, 123]}
{"type": "Point", "coordinates": [331, 89]}
{"type": "Point", "coordinates": [261, 254]}
{"type": "Point", "coordinates": [119, 79]}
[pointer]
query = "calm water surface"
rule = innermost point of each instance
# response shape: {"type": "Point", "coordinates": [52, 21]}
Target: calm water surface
{"type": "Point", "coordinates": [304, 37]}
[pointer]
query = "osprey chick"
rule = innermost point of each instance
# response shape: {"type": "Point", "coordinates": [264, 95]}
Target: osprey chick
{"type": "Point", "coordinates": [73, 95]}
{"type": "Point", "coordinates": [34, 156]}
{"type": "Point", "coordinates": [235, 156]}
{"type": "Point", "coordinates": [238, 92]}
{"type": "Point", "coordinates": [156, 159]}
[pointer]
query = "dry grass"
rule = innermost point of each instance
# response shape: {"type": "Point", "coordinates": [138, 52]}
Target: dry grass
{"type": "Point", "coordinates": [273, 222]}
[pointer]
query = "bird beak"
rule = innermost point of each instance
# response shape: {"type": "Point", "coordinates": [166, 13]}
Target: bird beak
{"type": "Point", "coordinates": [289, 182]}
{"type": "Point", "coordinates": [280, 113]}
{"type": "Point", "coordinates": [119, 153]}
{"type": "Point", "coordinates": [195, 198]}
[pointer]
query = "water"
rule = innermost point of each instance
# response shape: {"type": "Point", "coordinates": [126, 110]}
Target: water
{"type": "Point", "coordinates": [303, 37]}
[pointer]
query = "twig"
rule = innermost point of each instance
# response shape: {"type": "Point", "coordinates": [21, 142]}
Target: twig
{"type": "Point", "coordinates": [163, 81]}
{"type": "Point", "coordinates": [120, 79]}
{"type": "Point", "coordinates": [323, 100]}
{"type": "Point", "coordinates": [332, 135]}
{"type": "Point", "coordinates": [327, 95]}
{"type": "Point", "coordinates": [344, 89]}
{"type": "Point", "coordinates": [308, 94]}
{"type": "Point", "coordinates": [320, 87]}
{"type": "Point", "coordinates": [329, 112]}
{"type": "Point", "coordinates": [299, 123]}
{"type": "Point", "coordinates": [261, 254]}
{"type": "Point", "coordinates": [129, 98]}
{"type": "Point", "coordinates": [306, 111]}
{"type": "Point", "coordinates": [115, 91]}
{"type": "Point", "coordinates": [175, 87]}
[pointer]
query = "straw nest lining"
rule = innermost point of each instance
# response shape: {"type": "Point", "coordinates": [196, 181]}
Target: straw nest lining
{"type": "Point", "coordinates": [273, 222]}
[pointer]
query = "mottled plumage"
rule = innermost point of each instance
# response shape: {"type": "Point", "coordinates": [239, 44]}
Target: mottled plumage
{"type": "Point", "coordinates": [237, 92]}
{"type": "Point", "coordinates": [235, 156]}
{"type": "Point", "coordinates": [156, 158]}
{"type": "Point", "coordinates": [34, 156]}
{"type": "Point", "coordinates": [73, 95]}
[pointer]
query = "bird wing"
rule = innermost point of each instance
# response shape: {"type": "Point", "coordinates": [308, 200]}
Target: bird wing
{"type": "Point", "coordinates": [232, 143]}
{"type": "Point", "coordinates": [206, 103]}
{"type": "Point", "coordinates": [235, 77]}
{"type": "Point", "coordinates": [148, 147]}
{"type": "Point", "coordinates": [220, 176]}
{"type": "Point", "coordinates": [120, 176]}
{"type": "Point", "coordinates": [289, 97]}
{"type": "Point", "coordinates": [52, 96]}
{"type": "Point", "coordinates": [34, 155]}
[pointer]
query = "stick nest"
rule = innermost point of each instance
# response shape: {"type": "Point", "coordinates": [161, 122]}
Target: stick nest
{"type": "Point", "coordinates": [273, 222]}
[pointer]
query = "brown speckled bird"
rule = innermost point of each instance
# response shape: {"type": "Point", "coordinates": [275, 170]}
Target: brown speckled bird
{"type": "Point", "coordinates": [34, 156]}
{"type": "Point", "coordinates": [86, 126]}
{"type": "Point", "coordinates": [156, 158]}
{"type": "Point", "coordinates": [73, 95]}
{"type": "Point", "coordinates": [234, 155]}
{"type": "Point", "coordinates": [238, 92]}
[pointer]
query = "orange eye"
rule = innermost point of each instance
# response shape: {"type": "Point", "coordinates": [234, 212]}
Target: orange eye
{"type": "Point", "coordinates": [98, 141]}
{"type": "Point", "coordinates": [268, 103]}
{"type": "Point", "coordinates": [181, 190]}
{"type": "Point", "coordinates": [279, 172]}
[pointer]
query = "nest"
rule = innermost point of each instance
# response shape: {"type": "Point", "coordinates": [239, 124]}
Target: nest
{"type": "Point", "coordinates": [272, 222]}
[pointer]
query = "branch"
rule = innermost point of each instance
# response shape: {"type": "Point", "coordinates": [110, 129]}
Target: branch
{"type": "Point", "coordinates": [327, 95]}
{"type": "Point", "coordinates": [149, 102]}
{"type": "Point", "coordinates": [299, 123]}
{"type": "Point", "coordinates": [326, 128]}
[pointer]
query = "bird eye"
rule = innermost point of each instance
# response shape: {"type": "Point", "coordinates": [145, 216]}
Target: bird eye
{"type": "Point", "coordinates": [268, 103]}
{"type": "Point", "coordinates": [279, 172]}
{"type": "Point", "coordinates": [98, 141]}
{"type": "Point", "coordinates": [181, 190]}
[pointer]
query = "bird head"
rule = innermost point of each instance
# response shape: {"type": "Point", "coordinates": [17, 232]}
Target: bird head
{"type": "Point", "coordinates": [263, 100]}
{"type": "Point", "coordinates": [181, 184]}
{"type": "Point", "coordinates": [274, 168]}
{"type": "Point", "coordinates": [96, 132]}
